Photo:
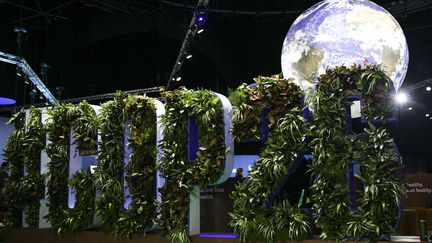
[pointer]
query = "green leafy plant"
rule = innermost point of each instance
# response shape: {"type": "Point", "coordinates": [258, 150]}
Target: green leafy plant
{"type": "Point", "coordinates": [275, 94]}
{"type": "Point", "coordinates": [81, 216]}
{"type": "Point", "coordinates": [181, 174]}
{"type": "Point", "coordinates": [333, 149]}
{"type": "Point", "coordinates": [250, 219]}
{"type": "Point", "coordinates": [63, 118]}
{"type": "Point", "coordinates": [25, 188]}
{"type": "Point", "coordinates": [33, 182]}
{"type": "Point", "coordinates": [383, 191]}
{"type": "Point", "coordinates": [13, 154]}
{"type": "Point", "coordinates": [58, 129]}
{"type": "Point", "coordinates": [111, 161]}
{"type": "Point", "coordinates": [140, 171]}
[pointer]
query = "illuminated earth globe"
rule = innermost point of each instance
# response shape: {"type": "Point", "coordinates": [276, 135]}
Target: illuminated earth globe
{"type": "Point", "coordinates": [343, 32]}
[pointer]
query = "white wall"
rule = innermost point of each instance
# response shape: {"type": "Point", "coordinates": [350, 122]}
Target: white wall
{"type": "Point", "coordinates": [5, 131]}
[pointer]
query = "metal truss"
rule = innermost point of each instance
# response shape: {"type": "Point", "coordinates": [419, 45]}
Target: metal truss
{"type": "Point", "coordinates": [22, 64]}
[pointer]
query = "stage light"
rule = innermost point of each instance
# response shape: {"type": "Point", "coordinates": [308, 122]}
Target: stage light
{"type": "Point", "coordinates": [427, 115]}
{"type": "Point", "coordinates": [428, 88]}
{"type": "Point", "coordinates": [26, 81]}
{"type": "Point", "coordinates": [189, 56]}
{"type": "Point", "coordinates": [19, 29]}
{"type": "Point", "coordinates": [201, 18]}
{"type": "Point", "coordinates": [401, 98]}
{"type": "Point", "coordinates": [178, 63]}
{"type": "Point", "coordinates": [200, 31]}
{"type": "Point", "coordinates": [7, 101]}
{"type": "Point", "coordinates": [410, 108]}
{"type": "Point", "coordinates": [178, 79]}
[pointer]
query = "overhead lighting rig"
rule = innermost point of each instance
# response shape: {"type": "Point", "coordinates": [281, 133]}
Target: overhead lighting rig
{"type": "Point", "coordinates": [24, 67]}
{"type": "Point", "coordinates": [196, 26]}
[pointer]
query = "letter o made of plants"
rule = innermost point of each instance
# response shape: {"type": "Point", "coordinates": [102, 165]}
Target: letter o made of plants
{"type": "Point", "coordinates": [127, 205]}
{"type": "Point", "coordinates": [67, 123]}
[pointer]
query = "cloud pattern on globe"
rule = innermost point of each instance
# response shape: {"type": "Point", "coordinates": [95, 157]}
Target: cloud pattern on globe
{"type": "Point", "coordinates": [343, 32]}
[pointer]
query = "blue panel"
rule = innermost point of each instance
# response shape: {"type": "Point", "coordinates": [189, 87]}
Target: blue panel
{"type": "Point", "coordinates": [245, 162]}
{"type": "Point", "coordinates": [87, 161]}
{"type": "Point", "coordinates": [218, 235]}
{"type": "Point", "coordinates": [127, 153]}
{"type": "Point", "coordinates": [193, 144]}
{"type": "Point", "coordinates": [5, 131]}
{"type": "Point", "coordinates": [265, 125]}
{"type": "Point", "coordinates": [306, 115]}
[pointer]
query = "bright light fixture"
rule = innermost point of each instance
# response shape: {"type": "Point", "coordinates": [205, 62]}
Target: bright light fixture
{"type": "Point", "coordinates": [189, 56]}
{"type": "Point", "coordinates": [401, 98]}
{"type": "Point", "coordinates": [178, 79]}
{"type": "Point", "coordinates": [428, 88]}
{"type": "Point", "coordinates": [410, 108]}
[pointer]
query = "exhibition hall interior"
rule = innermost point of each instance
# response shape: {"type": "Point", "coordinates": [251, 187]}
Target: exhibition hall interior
{"type": "Point", "coordinates": [190, 121]}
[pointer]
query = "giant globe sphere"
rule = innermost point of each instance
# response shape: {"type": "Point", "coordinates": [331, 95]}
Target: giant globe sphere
{"type": "Point", "coordinates": [343, 32]}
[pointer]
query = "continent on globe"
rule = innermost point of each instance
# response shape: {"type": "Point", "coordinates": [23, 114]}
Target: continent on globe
{"type": "Point", "coordinates": [343, 32]}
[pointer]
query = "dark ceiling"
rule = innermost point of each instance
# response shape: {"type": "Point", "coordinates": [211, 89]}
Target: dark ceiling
{"type": "Point", "coordinates": [99, 46]}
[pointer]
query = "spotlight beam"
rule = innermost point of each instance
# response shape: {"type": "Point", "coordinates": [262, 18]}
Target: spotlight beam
{"type": "Point", "coordinates": [190, 33]}
{"type": "Point", "coordinates": [22, 64]}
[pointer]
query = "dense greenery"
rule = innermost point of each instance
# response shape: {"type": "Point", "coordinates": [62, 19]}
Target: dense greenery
{"type": "Point", "coordinates": [110, 168]}
{"type": "Point", "coordinates": [13, 154]}
{"type": "Point", "coordinates": [33, 186]}
{"type": "Point", "coordinates": [25, 188]}
{"type": "Point", "coordinates": [253, 219]}
{"type": "Point", "coordinates": [181, 174]}
{"type": "Point", "coordinates": [383, 191]}
{"type": "Point", "coordinates": [275, 94]}
{"type": "Point", "coordinates": [58, 130]}
{"type": "Point", "coordinates": [249, 218]}
{"type": "Point", "coordinates": [140, 171]}
{"type": "Point", "coordinates": [333, 150]}
{"type": "Point", "coordinates": [63, 118]}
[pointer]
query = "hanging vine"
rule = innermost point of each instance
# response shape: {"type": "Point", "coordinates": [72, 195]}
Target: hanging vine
{"type": "Point", "coordinates": [33, 182]}
{"type": "Point", "coordinates": [82, 120]}
{"type": "Point", "coordinates": [181, 174]}
{"type": "Point", "coordinates": [333, 149]}
{"type": "Point", "coordinates": [249, 218]}
{"type": "Point", "coordinates": [140, 171]}
{"type": "Point", "coordinates": [25, 187]}
{"type": "Point", "coordinates": [58, 128]}
{"type": "Point", "coordinates": [14, 155]}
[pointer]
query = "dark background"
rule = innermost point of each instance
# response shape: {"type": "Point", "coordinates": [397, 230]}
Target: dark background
{"type": "Point", "coordinates": [100, 46]}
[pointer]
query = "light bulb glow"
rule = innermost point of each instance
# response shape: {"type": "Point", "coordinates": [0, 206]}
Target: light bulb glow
{"type": "Point", "coordinates": [401, 98]}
